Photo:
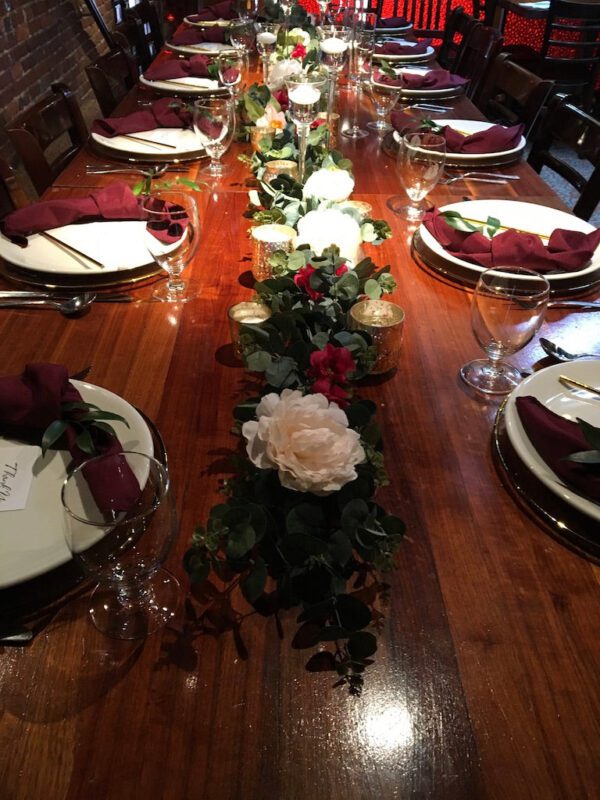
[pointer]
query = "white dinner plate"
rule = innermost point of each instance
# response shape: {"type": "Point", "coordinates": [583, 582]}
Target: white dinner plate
{"type": "Point", "coordinates": [185, 141]}
{"type": "Point", "coordinates": [566, 402]}
{"type": "Point", "coordinates": [32, 541]}
{"type": "Point", "coordinates": [205, 48]}
{"type": "Point", "coordinates": [207, 23]}
{"type": "Point", "coordinates": [525, 216]}
{"type": "Point", "coordinates": [120, 245]}
{"type": "Point", "coordinates": [402, 29]}
{"type": "Point", "coordinates": [470, 126]}
{"type": "Point", "coordinates": [185, 85]}
{"type": "Point", "coordinates": [406, 58]}
{"type": "Point", "coordinates": [453, 91]}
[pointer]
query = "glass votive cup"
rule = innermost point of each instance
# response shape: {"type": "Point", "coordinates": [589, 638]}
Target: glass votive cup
{"type": "Point", "coordinates": [266, 240]}
{"type": "Point", "coordinates": [384, 322]}
{"type": "Point", "coordinates": [334, 126]}
{"type": "Point", "coordinates": [280, 167]}
{"type": "Point", "coordinates": [256, 136]}
{"type": "Point", "coordinates": [249, 312]}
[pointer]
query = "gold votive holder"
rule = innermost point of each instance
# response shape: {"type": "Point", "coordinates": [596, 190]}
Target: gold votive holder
{"type": "Point", "coordinates": [256, 135]}
{"type": "Point", "coordinates": [246, 313]}
{"type": "Point", "coordinates": [280, 167]}
{"type": "Point", "coordinates": [365, 209]}
{"type": "Point", "coordinates": [266, 240]}
{"type": "Point", "coordinates": [334, 127]}
{"type": "Point", "coordinates": [384, 322]}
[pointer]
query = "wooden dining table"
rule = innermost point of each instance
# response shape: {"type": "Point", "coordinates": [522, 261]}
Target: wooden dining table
{"type": "Point", "coordinates": [485, 681]}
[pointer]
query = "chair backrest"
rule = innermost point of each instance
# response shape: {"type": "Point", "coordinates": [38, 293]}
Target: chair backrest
{"type": "Point", "coordinates": [37, 128]}
{"type": "Point", "coordinates": [485, 10]}
{"type": "Point", "coordinates": [457, 28]}
{"type": "Point", "coordinates": [512, 94]}
{"type": "Point", "coordinates": [12, 194]}
{"type": "Point", "coordinates": [481, 46]}
{"type": "Point", "coordinates": [131, 37]}
{"type": "Point", "coordinates": [147, 14]}
{"type": "Point", "coordinates": [428, 16]}
{"type": "Point", "coordinates": [571, 33]}
{"type": "Point", "coordinates": [111, 77]}
{"type": "Point", "coordinates": [568, 126]}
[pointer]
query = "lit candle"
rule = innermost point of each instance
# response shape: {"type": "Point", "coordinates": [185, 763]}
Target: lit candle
{"type": "Point", "coordinates": [266, 38]}
{"type": "Point", "coordinates": [305, 94]}
{"type": "Point", "coordinates": [266, 240]}
{"type": "Point", "coordinates": [384, 322]}
{"type": "Point", "coordinates": [246, 313]}
{"type": "Point", "coordinates": [333, 46]}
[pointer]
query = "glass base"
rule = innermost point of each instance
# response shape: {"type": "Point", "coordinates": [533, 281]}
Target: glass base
{"type": "Point", "coordinates": [490, 378]}
{"type": "Point", "coordinates": [379, 127]}
{"type": "Point", "coordinates": [410, 213]}
{"type": "Point", "coordinates": [173, 293]}
{"type": "Point", "coordinates": [215, 169]}
{"type": "Point", "coordinates": [355, 133]}
{"type": "Point", "coordinates": [135, 616]}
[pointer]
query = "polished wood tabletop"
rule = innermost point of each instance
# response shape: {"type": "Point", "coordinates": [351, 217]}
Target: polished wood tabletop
{"type": "Point", "coordinates": [485, 683]}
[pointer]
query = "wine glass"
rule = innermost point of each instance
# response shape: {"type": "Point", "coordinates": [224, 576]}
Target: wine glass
{"type": "Point", "coordinates": [120, 523]}
{"type": "Point", "coordinates": [241, 35]}
{"type": "Point", "coordinates": [171, 236]}
{"type": "Point", "coordinates": [304, 95]}
{"type": "Point", "coordinates": [507, 311]}
{"type": "Point", "coordinates": [384, 98]}
{"type": "Point", "coordinates": [231, 69]}
{"type": "Point", "coordinates": [421, 158]}
{"type": "Point", "coordinates": [266, 43]}
{"type": "Point", "coordinates": [214, 123]}
{"type": "Point", "coordinates": [360, 66]}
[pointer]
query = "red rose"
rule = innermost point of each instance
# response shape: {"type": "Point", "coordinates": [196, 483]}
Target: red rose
{"type": "Point", "coordinates": [281, 96]}
{"type": "Point", "coordinates": [330, 368]}
{"type": "Point", "coordinates": [316, 123]}
{"type": "Point", "coordinates": [299, 51]}
{"type": "Point", "coordinates": [302, 280]}
{"type": "Point", "coordinates": [341, 270]}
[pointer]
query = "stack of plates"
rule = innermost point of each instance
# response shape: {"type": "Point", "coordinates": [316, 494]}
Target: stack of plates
{"type": "Point", "coordinates": [164, 145]}
{"type": "Point", "coordinates": [407, 58]}
{"type": "Point", "coordinates": [205, 48]}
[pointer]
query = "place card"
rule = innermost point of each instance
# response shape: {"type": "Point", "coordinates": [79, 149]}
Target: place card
{"type": "Point", "coordinates": [16, 475]}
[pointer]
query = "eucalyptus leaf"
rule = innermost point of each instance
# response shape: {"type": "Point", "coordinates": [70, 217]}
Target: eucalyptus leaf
{"type": "Point", "coordinates": [373, 289]}
{"type": "Point", "coordinates": [362, 644]}
{"type": "Point", "coordinates": [53, 433]}
{"type": "Point", "coordinates": [253, 584]}
{"type": "Point", "coordinates": [259, 361]}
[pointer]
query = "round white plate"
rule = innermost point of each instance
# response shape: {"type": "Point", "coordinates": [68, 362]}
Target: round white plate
{"type": "Point", "coordinates": [205, 48]}
{"type": "Point", "coordinates": [567, 403]}
{"type": "Point", "coordinates": [32, 541]}
{"type": "Point", "coordinates": [207, 23]}
{"type": "Point", "coordinates": [470, 126]}
{"type": "Point", "coordinates": [407, 57]}
{"type": "Point", "coordinates": [402, 29]}
{"type": "Point", "coordinates": [185, 142]}
{"type": "Point", "coordinates": [453, 91]}
{"type": "Point", "coordinates": [516, 214]}
{"type": "Point", "coordinates": [186, 85]}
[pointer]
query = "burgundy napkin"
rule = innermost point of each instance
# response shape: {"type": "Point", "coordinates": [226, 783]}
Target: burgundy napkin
{"type": "Point", "coordinates": [433, 79]}
{"type": "Point", "coordinates": [224, 10]}
{"type": "Point", "coordinates": [493, 140]}
{"type": "Point", "coordinates": [393, 22]}
{"type": "Point", "coordinates": [554, 438]}
{"type": "Point", "coordinates": [566, 251]}
{"type": "Point", "coordinates": [388, 80]}
{"type": "Point", "coordinates": [194, 67]}
{"type": "Point", "coordinates": [404, 122]}
{"type": "Point", "coordinates": [33, 400]}
{"type": "Point", "coordinates": [399, 49]}
{"type": "Point", "coordinates": [164, 113]}
{"type": "Point", "coordinates": [114, 202]}
{"type": "Point", "coordinates": [184, 35]}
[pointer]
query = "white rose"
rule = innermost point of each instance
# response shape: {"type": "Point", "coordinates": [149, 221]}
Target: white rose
{"type": "Point", "coordinates": [306, 439]}
{"type": "Point", "coordinates": [303, 36]}
{"type": "Point", "coordinates": [322, 228]}
{"type": "Point", "coordinates": [329, 184]}
{"type": "Point", "coordinates": [280, 70]}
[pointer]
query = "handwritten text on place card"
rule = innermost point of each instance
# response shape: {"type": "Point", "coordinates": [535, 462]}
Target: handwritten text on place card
{"type": "Point", "coordinates": [16, 475]}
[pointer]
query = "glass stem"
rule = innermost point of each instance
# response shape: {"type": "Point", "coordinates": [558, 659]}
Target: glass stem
{"type": "Point", "coordinates": [331, 98]}
{"type": "Point", "coordinates": [355, 108]}
{"type": "Point", "coordinates": [303, 129]}
{"type": "Point", "coordinates": [265, 67]}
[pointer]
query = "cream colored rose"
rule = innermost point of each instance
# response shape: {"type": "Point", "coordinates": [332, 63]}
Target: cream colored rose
{"type": "Point", "coordinates": [306, 439]}
{"type": "Point", "coordinates": [303, 36]}
{"type": "Point", "coordinates": [281, 70]}
{"type": "Point", "coordinates": [329, 184]}
{"type": "Point", "coordinates": [322, 228]}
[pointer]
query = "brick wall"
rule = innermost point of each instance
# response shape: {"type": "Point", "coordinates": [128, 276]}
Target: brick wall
{"type": "Point", "coordinates": [42, 42]}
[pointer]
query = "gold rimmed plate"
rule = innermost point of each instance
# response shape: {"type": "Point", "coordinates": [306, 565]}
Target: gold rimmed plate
{"type": "Point", "coordinates": [165, 145]}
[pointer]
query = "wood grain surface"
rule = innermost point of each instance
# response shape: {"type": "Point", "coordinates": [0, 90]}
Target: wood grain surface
{"type": "Point", "coordinates": [485, 683]}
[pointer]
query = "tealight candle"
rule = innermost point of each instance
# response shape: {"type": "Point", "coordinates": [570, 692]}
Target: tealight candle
{"type": "Point", "coordinates": [266, 38]}
{"type": "Point", "coordinates": [280, 166]}
{"type": "Point", "coordinates": [384, 322]}
{"type": "Point", "coordinates": [334, 46]}
{"type": "Point", "coordinates": [246, 313]}
{"type": "Point", "coordinates": [266, 240]}
{"type": "Point", "coordinates": [305, 94]}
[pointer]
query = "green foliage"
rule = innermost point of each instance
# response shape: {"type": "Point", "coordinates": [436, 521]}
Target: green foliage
{"type": "Point", "coordinates": [592, 436]}
{"type": "Point", "coordinates": [460, 223]}
{"type": "Point", "coordinates": [88, 422]}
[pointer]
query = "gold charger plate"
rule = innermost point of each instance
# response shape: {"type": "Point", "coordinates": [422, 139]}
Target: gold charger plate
{"type": "Point", "coordinates": [53, 281]}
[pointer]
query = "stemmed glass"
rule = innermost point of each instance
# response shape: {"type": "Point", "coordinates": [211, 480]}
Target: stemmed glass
{"type": "Point", "coordinates": [421, 159]}
{"type": "Point", "coordinates": [231, 68]}
{"type": "Point", "coordinates": [171, 236]}
{"type": "Point", "coordinates": [506, 312]}
{"type": "Point", "coordinates": [121, 536]}
{"type": "Point", "coordinates": [266, 42]}
{"type": "Point", "coordinates": [384, 98]}
{"type": "Point", "coordinates": [214, 123]}
{"type": "Point", "coordinates": [360, 66]}
{"type": "Point", "coordinates": [304, 94]}
{"type": "Point", "coordinates": [241, 35]}
{"type": "Point", "coordinates": [334, 41]}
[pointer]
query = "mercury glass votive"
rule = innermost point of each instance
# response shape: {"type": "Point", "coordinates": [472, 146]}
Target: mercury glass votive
{"type": "Point", "coordinates": [384, 322]}
{"type": "Point", "coordinates": [333, 123]}
{"type": "Point", "coordinates": [257, 134]}
{"type": "Point", "coordinates": [280, 167]}
{"type": "Point", "coordinates": [266, 240]}
{"type": "Point", "coordinates": [246, 313]}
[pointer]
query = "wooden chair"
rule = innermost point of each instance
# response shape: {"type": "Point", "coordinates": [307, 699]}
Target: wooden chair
{"type": "Point", "coordinates": [36, 129]}
{"type": "Point", "coordinates": [147, 14]}
{"type": "Point", "coordinates": [568, 126]}
{"type": "Point", "coordinates": [429, 17]}
{"type": "Point", "coordinates": [511, 94]}
{"type": "Point", "coordinates": [570, 52]}
{"type": "Point", "coordinates": [481, 46]}
{"type": "Point", "coordinates": [130, 37]}
{"type": "Point", "coordinates": [458, 26]}
{"type": "Point", "coordinates": [111, 77]}
{"type": "Point", "coordinates": [12, 194]}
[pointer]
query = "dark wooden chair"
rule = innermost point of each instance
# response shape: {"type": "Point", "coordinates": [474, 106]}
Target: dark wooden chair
{"type": "Point", "coordinates": [130, 36]}
{"type": "Point", "coordinates": [12, 194]}
{"type": "Point", "coordinates": [428, 17]}
{"type": "Point", "coordinates": [511, 94]}
{"type": "Point", "coordinates": [477, 53]}
{"type": "Point", "coordinates": [570, 52]}
{"type": "Point", "coordinates": [111, 77]}
{"type": "Point", "coordinates": [458, 26]}
{"type": "Point", "coordinates": [54, 117]}
{"type": "Point", "coordinates": [567, 126]}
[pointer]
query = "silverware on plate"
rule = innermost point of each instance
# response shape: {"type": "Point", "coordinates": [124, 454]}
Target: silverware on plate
{"type": "Point", "coordinates": [557, 352]}
{"type": "Point", "coordinates": [574, 304]}
{"type": "Point", "coordinates": [483, 177]}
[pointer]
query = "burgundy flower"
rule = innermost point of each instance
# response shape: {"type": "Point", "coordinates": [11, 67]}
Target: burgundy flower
{"type": "Point", "coordinates": [341, 269]}
{"type": "Point", "coordinates": [281, 96]}
{"type": "Point", "coordinates": [302, 280]}
{"type": "Point", "coordinates": [317, 123]}
{"type": "Point", "coordinates": [299, 51]}
{"type": "Point", "coordinates": [330, 368]}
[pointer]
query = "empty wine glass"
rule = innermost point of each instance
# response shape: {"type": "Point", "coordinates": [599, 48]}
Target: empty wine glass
{"type": "Point", "coordinates": [266, 43]}
{"type": "Point", "coordinates": [214, 123]}
{"type": "Point", "coordinates": [231, 69]}
{"type": "Point", "coordinates": [384, 98]}
{"type": "Point", "coordinates": [507, 311]}
{"type": "Point", "coordinates": [421, 159]}
{"type": "Point", "coordinates": [241, 35]}
{"type": "Point", "coordinates": [120, 524]}
{"type": "Point", "coordinates": [171, 237]}
{"type": "Point", "coordinates": [361, 52]}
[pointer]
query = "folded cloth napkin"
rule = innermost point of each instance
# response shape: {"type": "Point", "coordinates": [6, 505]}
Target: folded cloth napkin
{"type": "Point", "coordinates": [164, 113]}
{"type": "Point", "coordinates": [33, 400]}
{"type": "Point", "coordinates": [496, 139]}
{"type": "Point", "coordinates": [393, 22]}
{"type": "Point", "coordinates": [114, 202]}
{"type": "Point", "coordinates": [173, 68]}
{"type": "Point", "coordinates": [388, 80]}
{"type": "Point", "coordinates": [189, 36]}
{"type": "Point", "coordinates": [433, 79]}
{"type": "Point", "coordinates": [566, 251]}
{"type": "Point", "coordinates": [402, 48]}
{"type": "Point", "coordinates": [555, 438]}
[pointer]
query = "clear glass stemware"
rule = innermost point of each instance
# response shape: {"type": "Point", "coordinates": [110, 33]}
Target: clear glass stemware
{"type": "Point", "coordinates": [266, 42]}
{"type": "Point", "coordinates": [231, 71]}
{"type": "Point", "coordinates": [334, 42]}
{"type": "Point", "coordinates": [421, 159]}
{"type": "Point", "coordinates": [304, 94]}
{"type": "Point", "coordinates": [383, 98]}
{"type": "Point", "coordinates": [214, 123]}
{"type": "Point", "coordinates": [361, 53]}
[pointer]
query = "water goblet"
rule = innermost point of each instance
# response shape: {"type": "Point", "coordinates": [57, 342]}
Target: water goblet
{"type": "Point", "coordinates": [361, 53]}
{"type": "Point", "coordinates": [242, 35]}
{"type": "Point", "coordinates": [383, 97]}
{"type": "Point", "coordinates": [231, 69]}
{"type": "Point", "coordinates": [266, 42]}
{"type": "Point", "coordinates": [334, 43]}
{"type": "Point", "coordinates": [507, 311]}
{"type": "Point", "coordinates": [171, 237]}
{"type": "Point", "coordinates": [304, 95]}
{"type": "Point", "coordinates": [214, 123]}
{"type": "Point", "coordinates": [120, 522]}
{"type": "Point", "coordinates": [421, 159]}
